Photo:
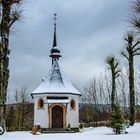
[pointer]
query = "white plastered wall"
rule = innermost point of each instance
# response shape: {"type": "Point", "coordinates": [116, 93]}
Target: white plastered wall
{"type": "Point", "coordinates": [73, 115]}
{"type": "Point", "coordinates": [41, 115]}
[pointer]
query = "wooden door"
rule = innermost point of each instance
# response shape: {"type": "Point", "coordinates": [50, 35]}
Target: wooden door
{"type": "Point", "coordinates": [57, 117]}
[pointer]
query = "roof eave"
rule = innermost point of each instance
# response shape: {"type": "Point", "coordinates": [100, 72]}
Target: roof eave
{"type": "Point", "coordinates": [78, 94]}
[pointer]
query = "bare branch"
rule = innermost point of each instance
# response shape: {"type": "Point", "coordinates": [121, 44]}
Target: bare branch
{"type": "Point", "coordinates": [117, 76]}
{"type": "Point", "coordinates": [135, 21]}
{"type": "Point", "coordinates": [124, 55]}
{"type": "Point", "coordinates": [15, 15]}
{"type": "Point", "coordinates": [116, 65]}
{"type": "Point", "coordinates": [137, 49]}
{"type": "Point", "coordinates": [135, 44]}
{"type": "Point", "coordinates": [136, 54]}
{"type": "Point", "coordinates": [136, 6]}
{"type": "Point", "coordinates": [117, 72]}
{"type": "Point", "coordinates": [15, 1]}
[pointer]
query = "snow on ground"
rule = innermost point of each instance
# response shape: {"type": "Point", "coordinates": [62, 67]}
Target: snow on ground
{"type": "Point", "coordinates": [100, 133]}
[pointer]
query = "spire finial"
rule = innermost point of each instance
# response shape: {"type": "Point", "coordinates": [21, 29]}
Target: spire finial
{"type": "Point", "coordinates": [55, 18]}
{"type": "Point", "coordinates": [54, 39]}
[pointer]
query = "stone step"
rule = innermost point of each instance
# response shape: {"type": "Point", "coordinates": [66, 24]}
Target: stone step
{"type": "Point", "coordinates": [55, 130]}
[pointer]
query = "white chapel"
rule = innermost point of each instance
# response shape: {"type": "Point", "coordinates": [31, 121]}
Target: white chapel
{"type": "Point", "coordinates": [56, 99]}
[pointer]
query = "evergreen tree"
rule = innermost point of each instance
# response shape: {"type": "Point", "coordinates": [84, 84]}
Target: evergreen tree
{"type": "Point", "coordinates": [116, 121]}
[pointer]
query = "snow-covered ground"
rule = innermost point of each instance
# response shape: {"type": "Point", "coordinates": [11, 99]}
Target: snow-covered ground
{"type": "Point", "coordinates": [100, 133]}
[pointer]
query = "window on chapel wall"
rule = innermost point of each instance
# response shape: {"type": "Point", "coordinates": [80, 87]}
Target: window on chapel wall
{"type": "Point", "coordinates": [40, 103]}
{"type": "Point", "coordinates": [73, 104]}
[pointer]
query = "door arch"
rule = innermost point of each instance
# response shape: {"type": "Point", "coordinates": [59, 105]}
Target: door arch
{"type": "Point", "coordinates": [57, 116]}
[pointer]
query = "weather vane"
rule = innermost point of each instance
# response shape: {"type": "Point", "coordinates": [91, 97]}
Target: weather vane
{"type": "Point", "coordinates": [55, 18]}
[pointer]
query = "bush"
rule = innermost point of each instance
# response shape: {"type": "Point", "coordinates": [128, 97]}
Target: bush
{"type": "Point", "coordinates": [69, 127]}
{"type": "Point", "coordinates": [81, 126]}
{"type": "Point", "coordinates": [116, 121]}
{"type": "Point", "coordinates": [1, 131]}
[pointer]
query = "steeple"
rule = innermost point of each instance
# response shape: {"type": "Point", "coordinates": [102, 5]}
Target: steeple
{"type": "Point", "coordinates": [55, 52]}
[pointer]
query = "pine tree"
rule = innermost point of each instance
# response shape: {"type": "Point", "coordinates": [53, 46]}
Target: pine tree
{"type": "Point", "coordinates": [116, 121]}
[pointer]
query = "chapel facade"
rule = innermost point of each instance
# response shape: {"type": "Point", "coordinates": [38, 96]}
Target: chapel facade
{"type": "Point", "coordinates": [56, 99]}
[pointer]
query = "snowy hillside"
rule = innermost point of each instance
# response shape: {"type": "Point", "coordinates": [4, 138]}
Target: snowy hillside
{"type": "Point", "coordinates": [101, 133]}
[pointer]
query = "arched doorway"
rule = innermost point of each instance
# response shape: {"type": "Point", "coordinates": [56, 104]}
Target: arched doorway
{"type": "Point", "coordinates": [57, 117]}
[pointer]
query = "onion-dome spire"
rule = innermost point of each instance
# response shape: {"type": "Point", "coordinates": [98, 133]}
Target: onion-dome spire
{"type": "Point", "coordinates": [55, 52]}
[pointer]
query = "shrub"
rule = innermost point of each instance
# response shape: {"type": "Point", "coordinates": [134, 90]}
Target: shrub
{"type": "Point", "coordinates": [81, 126]}
{"type": "Point", "coordinates": [116, 121]}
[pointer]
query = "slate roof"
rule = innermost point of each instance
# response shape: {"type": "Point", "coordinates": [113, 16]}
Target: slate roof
{"type": "Point", "coordinates": [56, 83]}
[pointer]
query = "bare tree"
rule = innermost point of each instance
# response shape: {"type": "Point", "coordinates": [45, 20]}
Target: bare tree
{"type": "Point", "coordinates": [122, 84]}
{"type": "Point", "coordinates": [96, 100]}
{"type": "Point", "coordinates": [113, 66]}
{"type": "Point", "coordinates": [23, 115]}
{"type": "Point", "coordinates": [131, 50]}
{"type": "Point", "coordinates": [107, 90]}
{"type": "Point", "coordinates": [91, 100]}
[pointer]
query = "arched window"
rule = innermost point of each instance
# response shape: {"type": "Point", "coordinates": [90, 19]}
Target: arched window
{"type": "Point", "coordinates": [40, 103]}
{"type": "Point", "coordinates": [73, 104]}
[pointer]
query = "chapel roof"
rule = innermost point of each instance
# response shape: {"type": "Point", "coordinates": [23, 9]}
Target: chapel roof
{"type": "Point", "coordinates": [56, 83]}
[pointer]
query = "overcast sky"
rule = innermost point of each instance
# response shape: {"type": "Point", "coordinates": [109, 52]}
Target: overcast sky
{"type": "Point", "coordinates": [87, 32]}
